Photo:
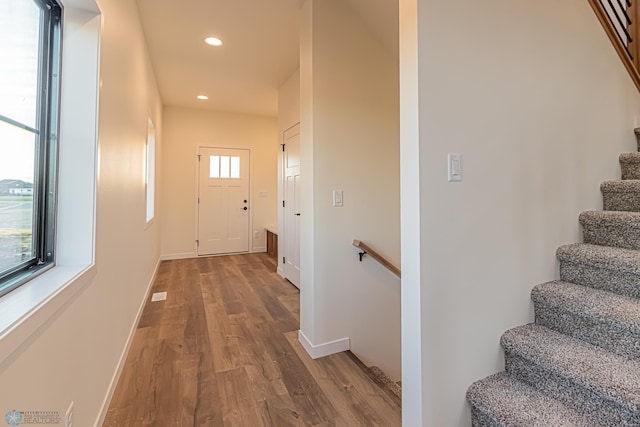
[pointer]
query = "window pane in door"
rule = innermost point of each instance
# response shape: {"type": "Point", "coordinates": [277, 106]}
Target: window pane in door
{"type": "Point", "coordinates": [214, 166]}
{"type": "Point", "coordinates": [19, 50]}
{"type": "Point", "coordinates": [235, 167]}
{"type": "Point", "coordinates": [224, 166]}
{"type": "Point", "coordinates": [17, 166]}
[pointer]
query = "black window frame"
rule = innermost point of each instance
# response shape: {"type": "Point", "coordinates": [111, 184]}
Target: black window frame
{"type": "Point", "coordinates": [46, 152]}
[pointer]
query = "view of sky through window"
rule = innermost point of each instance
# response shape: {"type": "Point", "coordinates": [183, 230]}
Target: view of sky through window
{"type": "Point", "coordinates": [19, 50]}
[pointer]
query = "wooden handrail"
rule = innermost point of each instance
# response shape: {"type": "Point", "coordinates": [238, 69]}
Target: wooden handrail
{"type": "Point", "coordinates": [366, 250]}
{"type": "Point", "coordinates": [630, 63]}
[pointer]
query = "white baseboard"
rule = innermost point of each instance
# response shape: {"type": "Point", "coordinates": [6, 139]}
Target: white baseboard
{"type": "Point", "coordinates": [123, 357]}
{"type": "Point", "coordinates": [183, 255]}
{"type": "Point", "coordinates": [324, 349]}
{"type": "Point", "coordinates": [260, 249]}
{"type": "Point", "coordinates": [280, 271]}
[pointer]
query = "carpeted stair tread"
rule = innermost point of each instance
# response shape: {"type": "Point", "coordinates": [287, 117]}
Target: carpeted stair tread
{"type": "Point", "coordinates": [601, 318]}
{"type": "Point", "coordinates": [611, 228]}
{"type": "Point", "coordinates": [601, 267]}
{"type": "Point", "coordinates": [606, 378]}
{"type": "Point", "coordinates": [621, 195]}
{"type": "Point", "coordinates": [630, 165]}
{"type": "Point", "coordinates": [501, 400]}
{"type": "Point", "coordinates": [625, 260]}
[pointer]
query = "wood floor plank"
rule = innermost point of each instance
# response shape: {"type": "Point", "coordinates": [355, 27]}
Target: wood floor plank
{"type": "Point", "coordinates": [350, 391]}
{"type": "Point", "coordinates": [292, 304]}
{"type": "Point", "coordinates": [222, 351]}
{"type": "Point", "coordinates": [135, 380]}
{"type": "Point", "coordinates": [239, 407]}
{"type": "Point", "coordinates": [280, 410]}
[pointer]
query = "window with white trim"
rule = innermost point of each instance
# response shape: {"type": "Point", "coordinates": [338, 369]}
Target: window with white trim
{"type": "Point", "coordinates": [224, 167]}
{"type": "Point", "coordinates": [151, 170]}
{"type": "Point", "coordinates": [30, 34]}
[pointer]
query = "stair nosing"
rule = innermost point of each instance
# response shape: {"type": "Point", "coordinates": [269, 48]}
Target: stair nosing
{"type": "Point", "coordinates": [512, 343]}
{"type": "Point", "coordinates": [612, 317]}
{"type": "Point", "coordinates": [606, 257]}
{"type": "Point", "coordinates": [502, 381]}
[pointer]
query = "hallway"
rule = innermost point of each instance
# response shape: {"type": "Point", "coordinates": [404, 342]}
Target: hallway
{"type": "Point", "coordinates": [222, 350]}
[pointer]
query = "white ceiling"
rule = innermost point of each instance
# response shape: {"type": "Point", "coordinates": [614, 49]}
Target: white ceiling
{"type": "Point", "coordinates": [259, 53]}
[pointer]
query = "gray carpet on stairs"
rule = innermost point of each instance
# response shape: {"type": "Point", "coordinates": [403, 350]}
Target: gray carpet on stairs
{"type": "Point", "coordinates": [599, 384]}
{"type": "Point", "coordinates": [630, 165]}
{"type": "Point", "coordinates": [501, 400]}
{"type": "Point", "coordinates": [601, 267]}
{"type": "Point", "coordinates": [598, 317]}
{"type": "Point", "coordinates": [621, 195]}
{"type": "Point", "coordinates": [393, 386]}
{"type": "Point", "coordinates": [611, 228]}
{"type": "Point", "coordinates": [579, 363]}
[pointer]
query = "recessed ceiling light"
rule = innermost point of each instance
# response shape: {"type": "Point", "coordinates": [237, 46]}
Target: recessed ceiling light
{"type": "Point", "coordinates": [203, 97]}
{"type": "Point", "coordinates": [213, 41]}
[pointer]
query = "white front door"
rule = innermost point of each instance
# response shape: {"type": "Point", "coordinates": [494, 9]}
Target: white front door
{"type": "Point", "coordinates": [223, 201]}
{"type": "Point", "coordinates": [292, 205]}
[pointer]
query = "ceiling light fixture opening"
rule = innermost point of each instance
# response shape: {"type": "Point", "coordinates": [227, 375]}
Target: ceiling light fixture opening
{"type": "Point", "coordinates": [213, 41]}
{"type": "Point", "coordinates": [203, 97]}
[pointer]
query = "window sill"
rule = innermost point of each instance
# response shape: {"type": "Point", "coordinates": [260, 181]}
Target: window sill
{"type": "Point", "coordinates": [26, 309]}
{"type": "Point", "coordinates": [149, 223]}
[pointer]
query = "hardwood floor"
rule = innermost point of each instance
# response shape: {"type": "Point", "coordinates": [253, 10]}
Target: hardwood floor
{"type": "Point", "coordinates": [222, 350]}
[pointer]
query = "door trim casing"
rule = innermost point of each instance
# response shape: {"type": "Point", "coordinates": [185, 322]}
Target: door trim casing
{"type": "Point", "coordinates": [197, 194]}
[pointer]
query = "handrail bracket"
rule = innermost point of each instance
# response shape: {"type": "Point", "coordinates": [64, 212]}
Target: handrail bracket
{"type": "Point", "coordinates": [363, 250]}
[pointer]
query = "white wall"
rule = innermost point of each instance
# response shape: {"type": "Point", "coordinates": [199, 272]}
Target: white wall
{"type": "Point", "coordinates": [187, 129]}
{"type": "Point", "coordinates": [535, 98]}
{"type": "Point", "coordinates": [350, 142]}
{"type": "Point", "coordinates": [288, 116]}
{"type": "Point", "coordinates": [75, 356]}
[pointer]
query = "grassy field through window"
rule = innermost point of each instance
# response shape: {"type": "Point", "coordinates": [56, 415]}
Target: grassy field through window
{"type": "Point", "coordinates": [16, 230]}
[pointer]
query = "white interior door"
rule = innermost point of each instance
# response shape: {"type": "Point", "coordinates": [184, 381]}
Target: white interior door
{"type": "Point", "coordinates": [223, 201]}
{"type": "Point", "coordinates": [292, 205]}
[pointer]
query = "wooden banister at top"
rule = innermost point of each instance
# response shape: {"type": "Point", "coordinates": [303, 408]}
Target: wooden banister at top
{"type": "Point", "coordinates": [625, 36]}
{"type": "Point", "coordinates": [366, 250]}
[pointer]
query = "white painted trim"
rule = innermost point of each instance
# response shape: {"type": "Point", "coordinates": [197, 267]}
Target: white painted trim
{"type": "Point", "coordinates": [280, 270]}
{"type": "Point", "coordinates": [324, 349]}
{"type": "Point", "coordinates": [123, 357]}
{"type": "Point", "coordinates": [197, 195]}
{"type": "Point", "coordinates": [259, 249]}
{"type": "Point", "coordinates": [30, 306]}
{"type": "Point", "coordinates": [183, 255]}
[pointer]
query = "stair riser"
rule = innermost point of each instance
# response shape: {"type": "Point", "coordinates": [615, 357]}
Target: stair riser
{"type": "Point", "coordinates": [479, 419]}
{"type": "Point", "coordinates": [585, 401]}
{"type": "Point", "coordinates": [604, 335]}
{"type": "Point", "coordinates": [630, 170]}
{"type": "Point", "coordinates": [621, 283]}
{"type": "Point", "coordinates": [621, 201]}
{"type": "Point", "coordinates": [618, 235]}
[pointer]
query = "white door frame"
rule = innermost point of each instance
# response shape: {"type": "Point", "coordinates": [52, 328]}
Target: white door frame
{"type": "Point", "coordinates": [197, 194]}
{"type": "Point", "coordinates": [281, 198]}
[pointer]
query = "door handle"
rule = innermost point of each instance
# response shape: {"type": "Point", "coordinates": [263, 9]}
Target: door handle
{"type": "Point", "coordinates": [297, 214]}
{"type": "Point", "coordinates": [245, 208]}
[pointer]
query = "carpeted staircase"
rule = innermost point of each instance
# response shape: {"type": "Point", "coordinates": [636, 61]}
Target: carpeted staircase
{"type": "Point", "coordinates": [579, 363]}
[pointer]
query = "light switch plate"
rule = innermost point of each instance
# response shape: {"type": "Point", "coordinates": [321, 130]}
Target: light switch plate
{"type": "Point", "coordinates": [454, 163]}
{"type": "Point", "coordinates": [337, 198]}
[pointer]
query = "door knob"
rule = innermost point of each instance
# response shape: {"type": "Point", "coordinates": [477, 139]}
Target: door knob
{"type": "Point", "coordinates": [245, 208]}
{"type": "Point", "coordinates": [245, 201]}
